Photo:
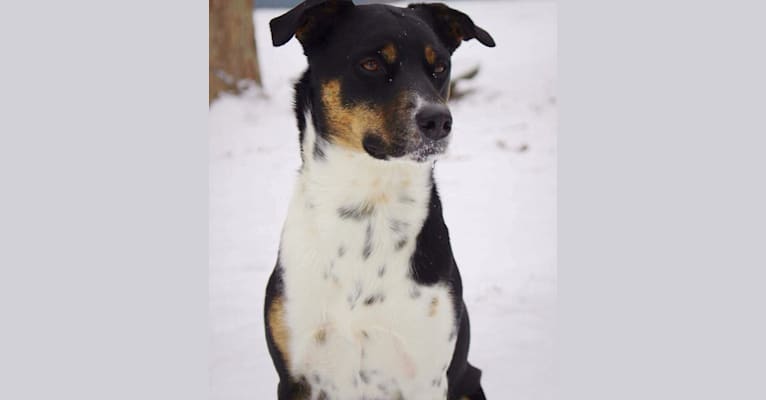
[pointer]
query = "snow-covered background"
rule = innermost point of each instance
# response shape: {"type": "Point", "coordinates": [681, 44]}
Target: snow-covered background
{"type": "Point", "coordinates": [498, 186]}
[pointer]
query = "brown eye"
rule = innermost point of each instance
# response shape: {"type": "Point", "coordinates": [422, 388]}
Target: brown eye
{"type": "Point", "coordinates": [370, 65]}
{"type": "Point", "coordinates": [439, 68]}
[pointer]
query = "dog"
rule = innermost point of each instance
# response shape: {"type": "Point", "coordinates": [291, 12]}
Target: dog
{"type": "Point", "coordinates": [365, 300]}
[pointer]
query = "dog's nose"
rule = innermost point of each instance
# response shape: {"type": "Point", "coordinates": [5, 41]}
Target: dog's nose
{"type": "Point", "coordinates": [434, 121]}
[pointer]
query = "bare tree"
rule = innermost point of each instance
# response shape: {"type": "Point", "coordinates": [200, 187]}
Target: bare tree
{"type": "Point", "coordinates": [233, 55]}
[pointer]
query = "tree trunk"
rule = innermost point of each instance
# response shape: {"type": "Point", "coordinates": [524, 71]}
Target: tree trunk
{"type": "Point", "coordinates": [233, 56]}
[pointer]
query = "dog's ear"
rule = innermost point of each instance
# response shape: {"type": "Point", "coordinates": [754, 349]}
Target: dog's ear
{"type": "Point", "coordinates": [307, 20]}
{"type": "Point", "coordinates": [451, 25]}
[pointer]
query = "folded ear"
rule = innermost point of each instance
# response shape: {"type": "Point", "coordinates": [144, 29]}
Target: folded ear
{"type": "Point", "coordinates": [451, 25]}
{"type": "Point", "coordinates": [306, 20]}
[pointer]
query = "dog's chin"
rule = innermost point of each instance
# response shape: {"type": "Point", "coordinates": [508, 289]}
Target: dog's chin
{"type": "Point", "coordinates": [429, 150]}
{"type": "Point", "coordinates": [423, 151]}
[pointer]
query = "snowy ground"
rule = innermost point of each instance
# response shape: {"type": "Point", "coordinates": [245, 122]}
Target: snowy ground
{"type": "Point", "coordinates": [498, 186]}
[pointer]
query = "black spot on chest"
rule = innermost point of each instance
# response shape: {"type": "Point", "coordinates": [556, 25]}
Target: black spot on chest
{"type": "Point", "coordinates": [376, 298]}
{"type": "Point", "coordinates": [367, 249]}
{"type": "Point", "coordinates": [356, 212]}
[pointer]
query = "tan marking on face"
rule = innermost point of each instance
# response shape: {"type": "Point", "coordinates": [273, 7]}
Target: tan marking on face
{"type": "Point", "coordinates": [433, 306]}
{"type": "Point", "coordinates": [389, 53]}
{"type": "Point", "coordinates": [349, 124]}
{"type": "Point", "coordinates": [278, 327]}
{"type": "Point", "coordinates": [430, 55]}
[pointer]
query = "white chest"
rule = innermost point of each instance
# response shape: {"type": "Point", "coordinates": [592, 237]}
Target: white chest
{"type": "Point", "coordinates": [360, 326]}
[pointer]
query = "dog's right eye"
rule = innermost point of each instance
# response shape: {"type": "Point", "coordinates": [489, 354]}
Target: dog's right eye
{"type": "Point", "coordinates": [370, 65]}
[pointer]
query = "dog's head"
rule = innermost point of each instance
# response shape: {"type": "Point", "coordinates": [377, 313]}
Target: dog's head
{"type": "Point", "coordinates": [379, 75]}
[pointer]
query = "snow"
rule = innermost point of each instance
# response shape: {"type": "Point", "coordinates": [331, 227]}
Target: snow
{"type": "Point", "coordinates": [498, 186]}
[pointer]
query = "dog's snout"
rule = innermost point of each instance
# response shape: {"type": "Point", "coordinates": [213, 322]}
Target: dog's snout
{"type": "Point", "coordinates": [434, 121]}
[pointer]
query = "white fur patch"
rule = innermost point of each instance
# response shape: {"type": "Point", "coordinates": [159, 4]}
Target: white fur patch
{"type": "Point", "coordinates": [359, 326]}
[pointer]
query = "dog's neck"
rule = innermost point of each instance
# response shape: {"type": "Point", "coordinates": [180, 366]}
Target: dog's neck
{"type": "Point", "coordinates": [350, 180]}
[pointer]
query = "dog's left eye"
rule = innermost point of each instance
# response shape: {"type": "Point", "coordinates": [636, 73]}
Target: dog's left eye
{"type": "Point", "coordinates": [370, 65]}
{"type": "Point", "coordinates": [440, 68]}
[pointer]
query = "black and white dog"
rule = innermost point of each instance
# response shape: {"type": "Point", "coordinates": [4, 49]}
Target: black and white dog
{"type": "Point", "coordinates": [365, 301]}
